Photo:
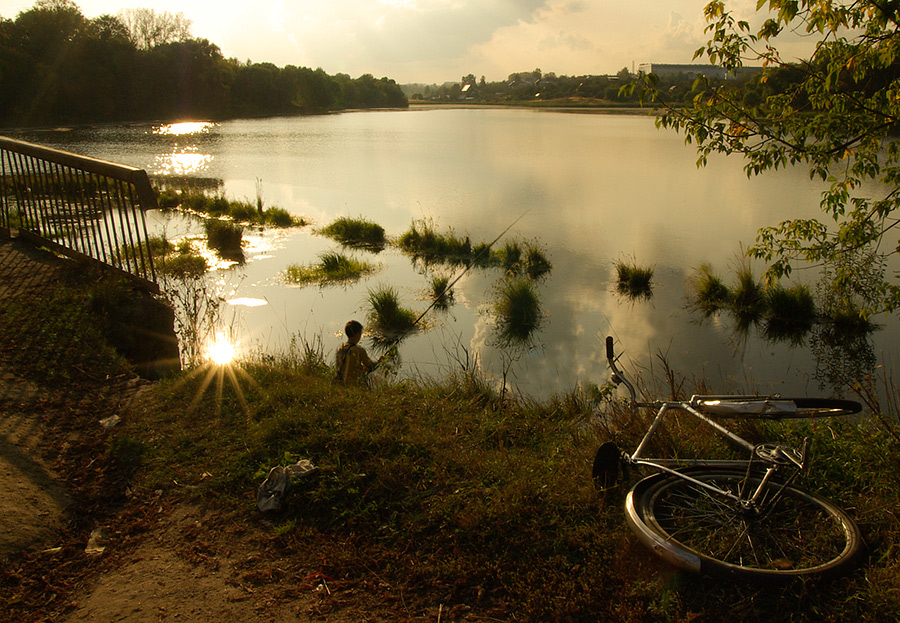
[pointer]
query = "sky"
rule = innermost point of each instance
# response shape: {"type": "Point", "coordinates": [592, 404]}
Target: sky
{"type": "Point", "coordinates": [434, 41]}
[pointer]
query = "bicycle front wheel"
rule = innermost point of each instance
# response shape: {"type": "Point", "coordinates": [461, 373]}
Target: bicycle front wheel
{"type": "Point", "coordinates": [799, 535]}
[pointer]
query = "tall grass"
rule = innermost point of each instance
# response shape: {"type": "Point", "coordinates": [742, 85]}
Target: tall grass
{"type": "Point", "coordinates": [441, 292]}
{"type": "Point", "coordinates": [790, 312]}
{"type": "Point", "coordinates": [709, 295]}
{"type": "Point", "coordinates": [518, 258]}
{"type": "Point", "coordinates": [785, 313]}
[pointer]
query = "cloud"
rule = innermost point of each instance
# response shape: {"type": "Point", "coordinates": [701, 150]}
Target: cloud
{"type": "Point", "coordinates": [387, 37]}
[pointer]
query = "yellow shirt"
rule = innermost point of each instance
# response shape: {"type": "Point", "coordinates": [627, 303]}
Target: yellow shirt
{"type": "Point", "coordinates": [352, 363]}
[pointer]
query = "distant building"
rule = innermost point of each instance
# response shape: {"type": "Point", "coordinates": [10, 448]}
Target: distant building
{"type": "Point", "coordinates": [710, 71]}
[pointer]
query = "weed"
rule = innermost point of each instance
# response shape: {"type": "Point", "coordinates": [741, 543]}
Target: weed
{"type": "Point", "coordinates": [748, 300]}
{"type": "Point", "coordinates": [182, 265]}
{"type": "Point", "coordinates": [219, 206]}
{"type": "Point", "coordinates": [422, 241]}
{"type": "Point", "coordinates": [279, 217]}
{"type": "Point", "coordinates": [537, 264]}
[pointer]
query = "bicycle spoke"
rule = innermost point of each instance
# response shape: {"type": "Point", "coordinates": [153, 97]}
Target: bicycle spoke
{"type": "Point", "coordinates": [794, 534]}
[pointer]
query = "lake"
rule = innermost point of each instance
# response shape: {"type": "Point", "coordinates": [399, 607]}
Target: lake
{"type": "Point", "coordinates": [590, 189]}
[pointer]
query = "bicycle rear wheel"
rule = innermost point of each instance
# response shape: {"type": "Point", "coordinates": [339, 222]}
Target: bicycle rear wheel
{"type": "Point", "coordinates": [800, 535]}
{"type": "Point", "coordinates": [766, 408]}
{"type": "Point", "coordinates": [824, 407]}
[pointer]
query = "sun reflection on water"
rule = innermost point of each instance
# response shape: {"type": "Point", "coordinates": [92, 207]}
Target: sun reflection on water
{"type": "Point", "coordinates": [185, 158]}
{"type": "Point", "coordinates": [184, 127]}
{"type": "Point", "coordinates": [182, 161]}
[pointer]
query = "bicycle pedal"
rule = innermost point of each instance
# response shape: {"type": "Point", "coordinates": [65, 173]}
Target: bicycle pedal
{"type": "Point", "coordinates": [779, 455]}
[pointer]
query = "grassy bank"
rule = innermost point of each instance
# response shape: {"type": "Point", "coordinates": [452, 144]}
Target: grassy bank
{"type": "Point", "coordinates": [443, 497]}
{"type": "Point", "coordinates": [452, 495]}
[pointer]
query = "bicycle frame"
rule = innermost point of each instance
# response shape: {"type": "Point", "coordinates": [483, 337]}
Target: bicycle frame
{"type": "Point", "coordinates": [773, 457]}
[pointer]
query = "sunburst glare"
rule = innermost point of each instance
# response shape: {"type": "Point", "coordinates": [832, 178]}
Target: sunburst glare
{"type": "Point", "coordinates": [221, 351]}
{"type": "Point", "coordinates": [221, 363]}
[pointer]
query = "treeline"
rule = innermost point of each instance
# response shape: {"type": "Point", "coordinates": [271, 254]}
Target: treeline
{"type": "Point", "coordinates": [57, 66]}
{"type": "Point", "coordinates": [527, 86]}
{"type": "Point", "coordinates": [596, 90]}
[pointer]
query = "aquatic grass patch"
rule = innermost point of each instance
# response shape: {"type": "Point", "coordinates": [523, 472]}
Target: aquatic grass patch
{"type": "Point", "coordinates": [748, 300]}
{"type": "Point", "coordinates": [517, 258]}
{"type": "Point", "coordinates": [537, 264]}
{"type": "Point", "coordinates": [218, 206]}
{"type": "Point", "coordinates": [182, 265]}
{"type": "Point", "coordinates": [790, 313]}
{"type": "Point", "coordinates": [387, 316]}
{"type": "Point", "coordinates": [785, 313]}
{"type": "Point", "coordinates": [424, 242]}
{"type": "Point", "coordinates": [225, 238]}
{"type": "Point", "coordinates": [332, 267]}
{"type": "Point", "coordinates": [709, 293]}
{"type": "Point", "coordinates": [633, 281]}
{"type": "Point", "coordinates": [441, 292]}
{"type": "Point", "coordinates": [356, 232]}
{"type": "Point", "coordinates": [279, 217]}
{"type": "Point", "coordinates": [517, 311]}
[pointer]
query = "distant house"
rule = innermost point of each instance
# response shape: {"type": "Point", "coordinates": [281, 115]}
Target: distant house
{"type": "Point", "coordinates": [710, 71]}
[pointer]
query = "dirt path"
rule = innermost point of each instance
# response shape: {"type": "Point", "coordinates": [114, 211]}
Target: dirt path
{"type": "Point", "coordinates": [75, 547]}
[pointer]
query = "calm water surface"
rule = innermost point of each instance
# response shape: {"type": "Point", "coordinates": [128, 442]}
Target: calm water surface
{"type": "Point", "coordinates": [593, 189]}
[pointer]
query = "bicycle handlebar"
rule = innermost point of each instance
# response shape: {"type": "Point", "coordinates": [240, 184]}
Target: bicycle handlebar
{"type": "Point", "coordinates": [617, 376]}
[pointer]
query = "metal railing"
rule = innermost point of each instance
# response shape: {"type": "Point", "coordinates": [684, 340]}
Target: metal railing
{"type": "Point", "coordinates": [78, 206]}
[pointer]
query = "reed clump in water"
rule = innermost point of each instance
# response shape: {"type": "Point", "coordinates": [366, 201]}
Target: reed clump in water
{"type": "Point", "coordinates": [356, 232]}
{"type": "Point", "coordinates": [332, 267]}
{"type": "Point", "coordinates": [517, 311]}
{"type": "Point", "coordinates": [633, 281]}
{"type": "Point", "coordinates": [387, 316]}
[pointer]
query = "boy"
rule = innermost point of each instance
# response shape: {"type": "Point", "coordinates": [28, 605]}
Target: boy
{"type": "Point", "coordinates": [351, 359]}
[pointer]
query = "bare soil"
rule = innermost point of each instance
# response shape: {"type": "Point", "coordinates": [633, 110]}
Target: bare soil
{"type": "Point", "coordinates": [77, 544]}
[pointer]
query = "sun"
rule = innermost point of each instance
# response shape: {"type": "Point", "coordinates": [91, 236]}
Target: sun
{"type": "Point", "coordinates": [221, 351]}
{"type": "Point", "coordinates": [220, 367]}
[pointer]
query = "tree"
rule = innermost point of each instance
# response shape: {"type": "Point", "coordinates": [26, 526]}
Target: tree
{"type": "Point", "coordinates": [148, 29]}
{"type": "Point", "coordinates": [837, 113]}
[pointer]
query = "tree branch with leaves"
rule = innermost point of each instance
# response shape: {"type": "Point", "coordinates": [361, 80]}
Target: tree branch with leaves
{"type": "Point", "coordinates": [837, 113]}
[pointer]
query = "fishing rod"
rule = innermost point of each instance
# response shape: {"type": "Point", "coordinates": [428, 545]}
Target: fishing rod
{"type": "Point", "coordinates": [393, 343]}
